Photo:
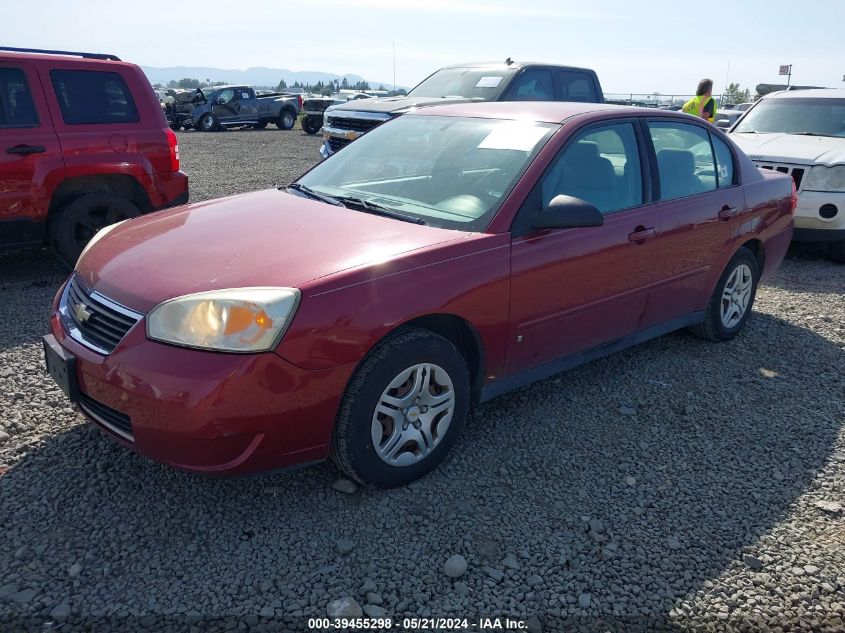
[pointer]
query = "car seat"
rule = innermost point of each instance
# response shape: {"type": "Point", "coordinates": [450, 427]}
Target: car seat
{"type": "Point", "coordinates": [587, 175]}
{"type": "Point", "coordinates": [677, 174]}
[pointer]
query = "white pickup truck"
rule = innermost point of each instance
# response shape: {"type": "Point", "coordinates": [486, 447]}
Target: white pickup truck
{"type": "Point", "coordinates": [802, 133]}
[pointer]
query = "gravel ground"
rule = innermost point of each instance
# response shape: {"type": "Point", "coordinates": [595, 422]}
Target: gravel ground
{"type": "Point", "coordinates": [680, 485]}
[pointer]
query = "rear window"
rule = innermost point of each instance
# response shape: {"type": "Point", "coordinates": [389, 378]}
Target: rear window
{"type": "Point", "coordinates": [575, 86]}
{"type": "Point", "coordinates": [92, 97]}
{"type": "Point", "coordinates": [16, 107]}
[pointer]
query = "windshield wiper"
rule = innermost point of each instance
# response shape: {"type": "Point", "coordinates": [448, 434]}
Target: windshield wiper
{"type": "Point", "coordinates": [811, 134]}
{"type": "Point", "coordinates": [377, 209]}
{"type": "Point", "coordinates": [308, 191]}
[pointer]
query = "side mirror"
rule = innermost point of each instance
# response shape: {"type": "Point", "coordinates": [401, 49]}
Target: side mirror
{"type": "Point", "coordinates": [566, 212]}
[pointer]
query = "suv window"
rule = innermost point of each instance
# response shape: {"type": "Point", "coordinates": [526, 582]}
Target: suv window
{"type": "Point", "coordinates": [532, 85]}
{"type": "Point", "coordinates": [684, 159]}
{"type": "Point", "coordinates": [601, 166]}
{"type": "Point", "coordinates": [225, 96]}
{"type": "Point", "coordinates": [575, 86]}
{"type": "Point", "coordinates": [16, 106]}
{"type": "Point", "coordinates": [92, 97]}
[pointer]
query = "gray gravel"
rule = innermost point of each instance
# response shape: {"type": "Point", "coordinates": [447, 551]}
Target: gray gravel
{"type": "Point", "coordinates": [680, 483]}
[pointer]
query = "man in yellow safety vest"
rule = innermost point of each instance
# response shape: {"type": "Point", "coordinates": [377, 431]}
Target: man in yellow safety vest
{"type": "Point", "coordinates": [702, 104]}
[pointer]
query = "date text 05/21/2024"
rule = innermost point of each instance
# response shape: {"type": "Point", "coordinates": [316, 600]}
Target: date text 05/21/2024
{"type": "Point", "coordinates": [418, 624]}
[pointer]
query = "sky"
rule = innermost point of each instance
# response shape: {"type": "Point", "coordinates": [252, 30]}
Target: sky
{"type": "Point", "coordinates": [635, 47]}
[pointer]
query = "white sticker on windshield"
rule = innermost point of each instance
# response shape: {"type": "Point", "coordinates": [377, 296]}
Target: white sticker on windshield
{"type": "Point", "coordinates": [488, 82]}
{"type": "Point", "coordinates": [518, 136]}
{"type": "Point", "coordinates": [244, 95]}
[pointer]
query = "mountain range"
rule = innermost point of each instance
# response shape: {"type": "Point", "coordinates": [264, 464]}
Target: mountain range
{"type": "Point", "coordinates": [255, 76]}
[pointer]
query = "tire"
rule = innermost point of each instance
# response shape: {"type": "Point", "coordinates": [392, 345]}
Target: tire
{"type": "Point", "coordinates": [208, 123]}
{"type": "Point", "coordinates": [837, 252]}
{"type": "Point", "coordinates": [80, 219]}
{"type": "Point", "coordinates": [726, 315]}
{"type": "Point", "coordinates": [424, 437]}
{"type": "Point", "coordinates": [175, 127]}
{"type": "Point", "coordinates": [311, 125]}
{"type": "Point", "coordinates": [286, 120]}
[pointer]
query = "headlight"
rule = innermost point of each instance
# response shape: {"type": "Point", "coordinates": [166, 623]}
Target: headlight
{"type": "Point", "coordinates": [823, 178]}
{"type": "Point", "coordinates": [97, 237]}
{"type": "Point", "coordinates": [233, 320]}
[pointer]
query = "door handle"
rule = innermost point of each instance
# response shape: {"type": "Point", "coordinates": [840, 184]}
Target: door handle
{"type": "Point", "coordinates": [728, 212]}
{"type": "Point", "coordinates": [26, 149]}
{"type": "Point", "coordinates": [641, 234]}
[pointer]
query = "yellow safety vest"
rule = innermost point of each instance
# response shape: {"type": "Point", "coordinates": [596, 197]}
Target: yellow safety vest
{"type": "Point", "coordinates": [695, 104]}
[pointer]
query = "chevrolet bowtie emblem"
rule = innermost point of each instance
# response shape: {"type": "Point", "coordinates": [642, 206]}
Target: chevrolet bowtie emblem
{"type": "Point", "coordinates": [80, 311]}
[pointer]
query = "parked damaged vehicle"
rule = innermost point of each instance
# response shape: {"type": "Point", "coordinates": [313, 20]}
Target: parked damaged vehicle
{"type": "Point", "coordinates": [219, 107]}
{"type": "Point", "coordinates": [447, 257]}
{"type": "Point", "coordinates": [313, 109]}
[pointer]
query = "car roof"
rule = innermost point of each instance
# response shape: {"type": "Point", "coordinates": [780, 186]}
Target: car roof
{"type": "Point", "coordinates": [540, 111]}
{"type": "Point", "coordinates": [514, 65]}
{"type": "Point", "coordinates": [814, 93]}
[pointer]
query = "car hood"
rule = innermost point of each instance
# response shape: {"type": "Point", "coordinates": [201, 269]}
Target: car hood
{"type": "Point", "coordinates": [790, 148]}
{"type": "Point", "coordinates": [392, 105]}
{"type": "Point", "coordinates": [266, 238]}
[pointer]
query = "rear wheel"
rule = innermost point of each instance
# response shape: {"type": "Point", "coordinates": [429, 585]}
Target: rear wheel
{"type": "Point", "coordinates": [730, 305]}
{"type": "Point", "coordinates": [286, 120]}
{"type": "Point", "coordinates": [837, 251]}
{"type": "Point", "coordinates": [80, 219]}
{"type": "Point", "coordinates": [311, 124]}
{"type": "Point", "coordinates": [208, 123]}
{"type": "Point", "coordinates": [403, 410]}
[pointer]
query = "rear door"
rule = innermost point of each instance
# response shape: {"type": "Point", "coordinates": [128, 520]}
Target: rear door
{"type": "Point", "coordinates": [700, 210]}
{"type": "Point", "coordinates": [576, 289]}
{"type": "Point", "coordinates": [30, 157]}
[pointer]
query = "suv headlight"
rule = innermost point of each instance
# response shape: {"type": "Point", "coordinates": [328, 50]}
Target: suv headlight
{"type": "Point", "coordinates": [232, 320]}
{"type": "Point", "coordinates": [823, 178]}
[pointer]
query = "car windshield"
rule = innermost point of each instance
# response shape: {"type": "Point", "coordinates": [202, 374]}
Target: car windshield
{"type": "Point", "coordinates": [483, 84]}
{"type": "Point", "coordinates": [448, 172]}
{"type": "Point", "coordinates": [811, 116]}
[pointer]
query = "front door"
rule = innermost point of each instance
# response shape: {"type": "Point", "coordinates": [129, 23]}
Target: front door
{"type": "Point", "coordinates": [575, 289]}
{"type": "Point", "coordinates": [223, 105]}
{"type": "Point", "coordinates": [29, 154]}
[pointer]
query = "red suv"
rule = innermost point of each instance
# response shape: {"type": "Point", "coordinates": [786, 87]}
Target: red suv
{"type": "Point", "coordinates": [83, 144]}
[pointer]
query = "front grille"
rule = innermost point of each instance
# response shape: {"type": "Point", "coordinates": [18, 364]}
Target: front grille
{"type": "Point", "coordinates": [336, 143]}
{"type": "Point", "coordinates": [795, 171]}
{"type": "Point", "coordinates": [356, 125]}
{"type": "Point", "coordinates": [112, 419]}
{"type": "Point", "coordinates": [100, 322]}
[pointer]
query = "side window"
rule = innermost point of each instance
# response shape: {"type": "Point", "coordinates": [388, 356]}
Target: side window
{"type": "Point", "coordinates": [684, 159]}
{"type": "Point", "coordinates": [601, 166]}
{"type": "Point", "coordinates": [91, 97]}
{"type": "Point", "coordinates": [532, 85]}
{"type": "Point", "coordinates": [574, 86]}
{"type": "Point", "coordinates": [16, 106]}
{"type": "Point", "coordinates": [225, 96]}
{"type": "Point", "coordinates": [724, 163]}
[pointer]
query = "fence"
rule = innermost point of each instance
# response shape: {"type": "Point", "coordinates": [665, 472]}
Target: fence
{"type": "Point", "coordinates": [652, 100]}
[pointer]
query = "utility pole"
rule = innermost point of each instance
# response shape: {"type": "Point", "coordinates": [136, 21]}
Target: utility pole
{"type": "Point", "coordinates": [394, 67]}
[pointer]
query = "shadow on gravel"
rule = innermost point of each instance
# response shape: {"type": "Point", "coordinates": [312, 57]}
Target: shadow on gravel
{"type": "Point", "coordinates": [626, 514]}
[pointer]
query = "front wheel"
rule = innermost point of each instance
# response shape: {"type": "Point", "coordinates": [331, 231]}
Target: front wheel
{"type": "Point", "coordinates": [286, 120]}
{"type": "Point", "coordinates": [837, 252]}
{"type": "Point", "coordinates": [730, 305]}
{"type": "Point", "coordinates": [403, 410]}
{"type": "Point", "coordinates": [208, 123]}
{"type": "Point", "coordinates": [311, 124]}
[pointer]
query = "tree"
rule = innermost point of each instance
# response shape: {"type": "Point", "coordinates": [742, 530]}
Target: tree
{"type": "Point", "coordinates": [733, 94]}
{"type": "Point", "coordinates": [344, 84]}
{"type": "Point", "coordinates": [282, 86]}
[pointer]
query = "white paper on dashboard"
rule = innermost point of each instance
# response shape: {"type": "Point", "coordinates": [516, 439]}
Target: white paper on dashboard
{"type": "Point", "coordinates": [488, 82]}
{"type": "Point", "coordinates": [518, 136]}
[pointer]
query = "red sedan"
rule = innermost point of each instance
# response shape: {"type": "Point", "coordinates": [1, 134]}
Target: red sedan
{"type": "Point", "coordinates": [443, 259]}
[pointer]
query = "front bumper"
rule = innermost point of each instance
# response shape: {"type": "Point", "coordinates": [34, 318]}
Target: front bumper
{"type": "Point", "coordinates": [206, 412]}
{"type": "Point", "coordinates": [809, 215]}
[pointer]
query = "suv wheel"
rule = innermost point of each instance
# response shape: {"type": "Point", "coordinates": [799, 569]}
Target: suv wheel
{"type": "Point", "coordinates": [730, 305]}
{"type": "Point", "coordinates": [208, 123]}
{"type": "Point", "coordinates": [286, 121]}
{"type": "Point", "coordinates": [402, 411]}
{"type": "Point", "coordinates": [80, 219]}
{"type": "Point", "coordinates": [837, 251]}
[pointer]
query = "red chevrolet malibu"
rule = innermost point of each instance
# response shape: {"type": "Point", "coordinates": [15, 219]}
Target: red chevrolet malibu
{"type": "Point", "coordinates": [443, 259]}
